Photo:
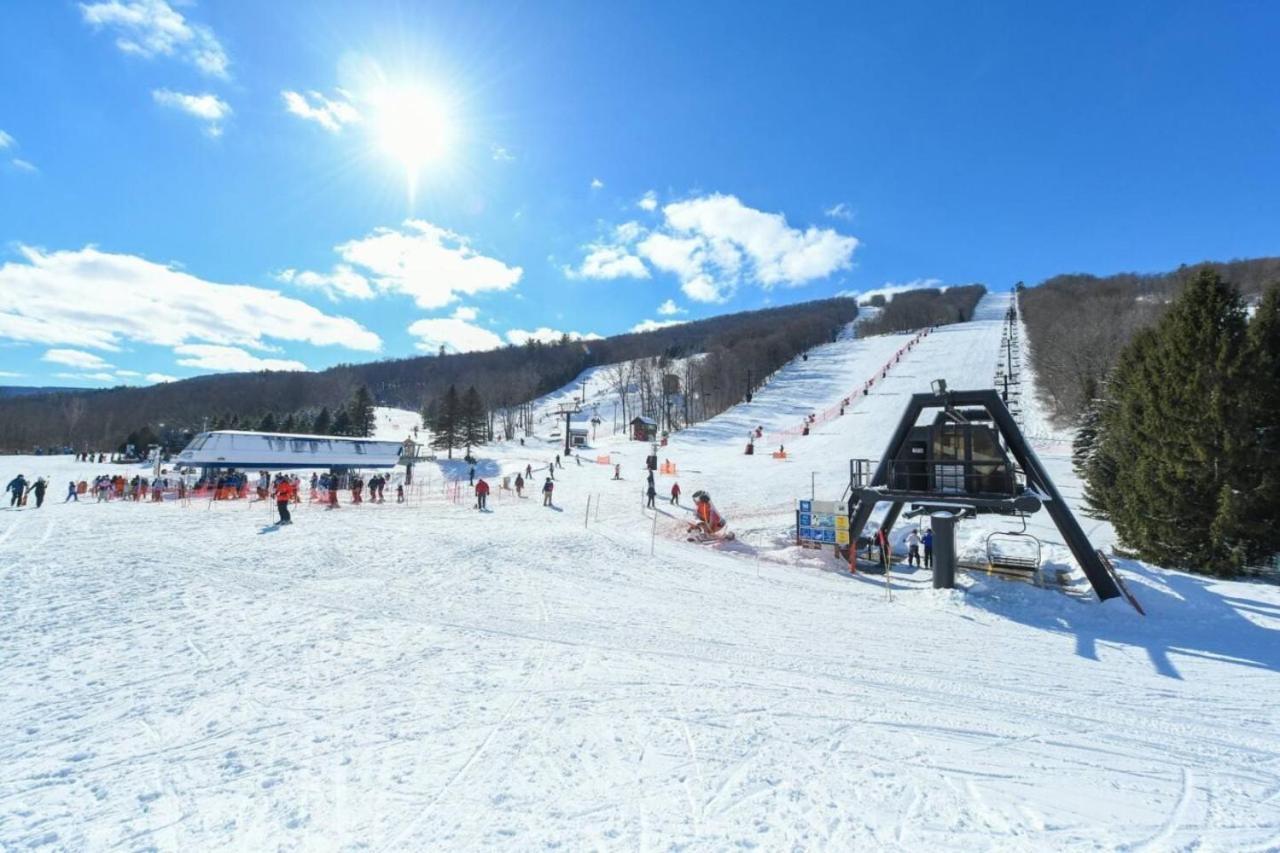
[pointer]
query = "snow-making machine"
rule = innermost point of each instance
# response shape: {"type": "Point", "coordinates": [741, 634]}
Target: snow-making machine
{"type": "Point", "coordinates": [970, 459]}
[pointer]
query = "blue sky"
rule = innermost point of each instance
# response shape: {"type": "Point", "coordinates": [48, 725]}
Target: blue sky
{"type": "Point", "coordinates": [204, 186]}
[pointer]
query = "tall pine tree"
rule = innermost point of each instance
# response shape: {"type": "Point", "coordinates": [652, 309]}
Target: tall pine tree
{"type": "Point", "coordinates": [341, 423]}
{"type": "Point", "coordinates": [1257, 529]}
{"type": "Point", "coordinates": [1172, 436]}
{"type": "Point", "coordinates": [447, 427]}
{"type": "Point", "coordinates": [323, 424]}
{"type": "Point", "coordinates": [360, 413]}
{"type": "Point", "coordinates": [474, 420]}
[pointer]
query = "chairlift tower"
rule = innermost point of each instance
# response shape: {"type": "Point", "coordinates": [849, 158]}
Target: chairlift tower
{"type": "Point", "coordinates": [960, 463]}
{"type": "Point", "coordinates": [568, 410]}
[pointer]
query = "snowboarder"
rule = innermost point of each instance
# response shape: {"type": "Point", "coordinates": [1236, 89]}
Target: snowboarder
{"type": "Point", "coordinates": [913, 548]}
{"type": "Point", "coordinates": [482, 493]}
{"type": "Point", "coordinates": [928, 549]}
{"type": "Point", "coordinates": [284, 493]}
{"type": "Point", "coordinates": [675, 494]}
{"type": "Point", "coordinates": [17, 488]}
{"type": "Point", "coordinates": [710, 523]}
{"type": "Point", "coordinates": [519, 486]}
{"type": "Point", "coordinates": [650, 494]}
{"type": "Point", "coordinates": [547, 488]}
{"type": "Point", "coordinates": [72, 494]}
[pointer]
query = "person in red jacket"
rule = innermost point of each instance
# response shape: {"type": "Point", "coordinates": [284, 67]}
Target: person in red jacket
{"type": "Point", "coordinates": [482, 493]}
{"type": "Point", "coordinates": [284, 494]}
{"type": "Point", "coordinates": [675, 493]}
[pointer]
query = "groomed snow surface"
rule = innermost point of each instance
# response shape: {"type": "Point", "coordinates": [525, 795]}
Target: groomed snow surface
{"type": "Point", "coordinates": [427, 676]}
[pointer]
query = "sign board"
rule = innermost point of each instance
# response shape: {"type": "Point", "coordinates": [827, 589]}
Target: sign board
{"type": "Point", "coordinates": [823, 522]}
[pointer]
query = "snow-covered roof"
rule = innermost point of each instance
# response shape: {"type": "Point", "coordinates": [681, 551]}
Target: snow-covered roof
{"type": "Point", "coordinates": [644, 420]}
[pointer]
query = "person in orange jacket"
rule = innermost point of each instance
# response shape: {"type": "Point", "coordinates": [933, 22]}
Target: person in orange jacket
{"type": "Point", "coordinates": [284, 494]}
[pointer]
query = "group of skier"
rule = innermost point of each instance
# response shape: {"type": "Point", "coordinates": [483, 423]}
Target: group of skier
{"type": "Point", "coordinates": [19, 488]}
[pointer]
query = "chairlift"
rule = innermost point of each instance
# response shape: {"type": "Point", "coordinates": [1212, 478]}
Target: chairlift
{"type": "Point", "coordinates": [1023, 556]}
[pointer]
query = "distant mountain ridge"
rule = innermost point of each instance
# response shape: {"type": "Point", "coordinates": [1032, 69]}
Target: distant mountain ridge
{"type": "Point", "coordinates": [31, 390]}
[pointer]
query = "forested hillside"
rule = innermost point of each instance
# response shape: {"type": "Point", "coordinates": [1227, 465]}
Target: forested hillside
{"type": "Point", "coordinates": [739, 347]}
{"type": "Point", "coordinates": [915, 309]}
{"type": "Point", "coordinates": [1078, 324]}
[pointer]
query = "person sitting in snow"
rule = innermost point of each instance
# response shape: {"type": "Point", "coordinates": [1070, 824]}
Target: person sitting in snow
{"type": "Point", "coordinates": [709, 521]}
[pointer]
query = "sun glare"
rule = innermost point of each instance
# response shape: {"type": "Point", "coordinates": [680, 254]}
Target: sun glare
{"type": "Point", "coordinates": [413, 126]}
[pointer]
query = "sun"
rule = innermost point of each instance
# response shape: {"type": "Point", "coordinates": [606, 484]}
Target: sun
{"type": "Point", "coordinates": [414, 126]}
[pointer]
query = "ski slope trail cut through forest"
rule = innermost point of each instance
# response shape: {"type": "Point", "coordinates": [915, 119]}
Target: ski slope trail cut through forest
{"type": "Point", "coordinates": [427, 676]}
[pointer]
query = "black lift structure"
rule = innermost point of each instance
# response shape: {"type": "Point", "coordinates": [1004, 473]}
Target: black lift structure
{"type": "Point", "coordinates": [970, 459]}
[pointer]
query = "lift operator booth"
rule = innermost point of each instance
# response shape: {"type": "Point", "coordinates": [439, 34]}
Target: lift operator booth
{"type": "Point", "coordinates": [970, 459]}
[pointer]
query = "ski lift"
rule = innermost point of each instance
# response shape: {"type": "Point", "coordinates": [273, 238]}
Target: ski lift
{"type": "Point", "coordinates": [1014, 551]}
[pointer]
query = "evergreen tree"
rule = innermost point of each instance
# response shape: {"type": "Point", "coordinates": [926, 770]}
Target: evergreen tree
{"type": "Point", "coordinates": [290, 423]}
{"type": "Point", "coordinates": [474, 420]}
{"type": "Point", "coordinates": [360, 413]}
{"type": "Point", "coordinates": [323, 424]}
{"type": "Point", "coordinates": [447, 427]}
{"type": "Point", "coordinates": [1173, 434]}
{"type": "Point", "coordinates": [341, 423]}
{"type": "Point", "coordinates": [268, 423]}
{"type": "Point", "coordinates": [1258, 520]}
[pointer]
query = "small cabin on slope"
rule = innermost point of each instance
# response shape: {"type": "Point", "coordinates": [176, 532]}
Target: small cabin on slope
{"type": "Point", "coordinates": [644, 429]}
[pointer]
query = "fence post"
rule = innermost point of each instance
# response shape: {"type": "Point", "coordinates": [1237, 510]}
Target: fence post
{"type": "Point", "coordinates": [587, 517]}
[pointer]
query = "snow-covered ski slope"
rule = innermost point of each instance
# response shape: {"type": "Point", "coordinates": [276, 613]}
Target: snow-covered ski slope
{"type": "Point", "coordinates": [426, 676]}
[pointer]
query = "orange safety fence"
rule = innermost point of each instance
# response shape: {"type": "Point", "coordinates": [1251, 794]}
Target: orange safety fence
{"type": "Point", "coordinates": [838, 409]}
{"type": "Point", "coordinates": [668, 468]}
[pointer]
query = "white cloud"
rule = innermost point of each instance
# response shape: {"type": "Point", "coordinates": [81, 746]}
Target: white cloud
{"type": "Point", "coordinates": [840, 210]}
{"type": "Point", "coordinates": [501, 154]}
{"type": "Point", "coordinates": [230, 359]}
{"type": "Point", "coordinates": [75, 358]}
{"type": "Point", "coordinates": [210, 109]}
{"type": "Point", "coordinates": [23, 165]}
{"type": "Point", "coordinates": [429, 263]}
{"type": "Point", "coordinates": [520, 337]}
{"type": "Point", "coordinates": [151, 28]}
{"type": "Point", "coordinates": [463, 312]}
{"type": "Point", "coordinates": [778, 254]}
{"type": "Point", "coordinates": [9, 374]}
{"type": "Point", "coordinates": [889, 289]}
{"type": "Point", "coordinates": [86, 377]}
{"type": "Point", "coordinates": [160, 377]}
{"type": "Point", "coordinates": [654, 325]}
{"type": "Point", "coordinates": [341, 281]}
{"type": "Point", "coordinates": [93, 299]}
{"type": "Point", "coordinates": [597, 184]}
{"type": "Point", "coordinates": [330, 113]}
{"type": "Point", "coordinates": [648, 201]}
{"type": "Point", "coordinates": [128, 373]}
{"type": "Point", "coordinates": [608, 262]}
{"type": "Point", "coordinates": [715, 243]}
{"type": "Point", "coordinates": [670, 309]}
{"type": "Point", "coordinates": [453, 334]}
{"type": "Point", "coordinates": [7, 141]}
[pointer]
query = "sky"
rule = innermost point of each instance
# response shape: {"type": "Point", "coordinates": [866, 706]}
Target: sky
{"type": "Point", "coordinates": [198, 187]}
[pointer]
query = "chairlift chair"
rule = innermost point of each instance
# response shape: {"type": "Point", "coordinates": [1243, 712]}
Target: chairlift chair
{"type": "Point", "coordinates": [1002, 560]}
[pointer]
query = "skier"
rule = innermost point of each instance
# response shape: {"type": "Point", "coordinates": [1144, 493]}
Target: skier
{"type": "Point", "coordinates": [72, 494]}
{"type": "Point", "coordinates": [400, 493]}
{"type": "Point", "coordinates": [913, 548]}
{"type": "Point", "coordinates": [482, 493]}
{"type": "Point", "coordinates": [471, 476]}
{"type": "Point", "coordinates": [650, 494]}
{"type": "Point", "coordinates": [882, 542]}
{"type": "Point", "coordinates": [284, 493]}
{"type": "Point", "coordinates": [558, 465]}
{"type": "Point", "coordinates": [928, 549]}
{"type": "Point", "coordinates": [39, 487]}
{"type": "Point", "coordinates": [17, 488]}
{"type": "Point", "coordinates": [528, 472]}
{"type": "Point", "coordinates": [519, 486]}
{"type": "Point", "coordinates": [617, 472]}
{"type": "Point", "coordinates": [675, 494]}
{"type": "Point", "coordinates": [547, 488]}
